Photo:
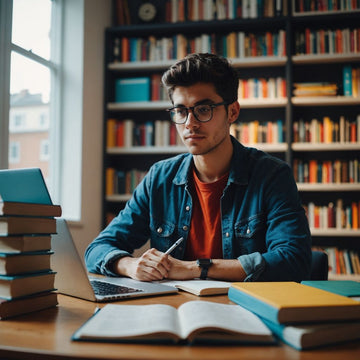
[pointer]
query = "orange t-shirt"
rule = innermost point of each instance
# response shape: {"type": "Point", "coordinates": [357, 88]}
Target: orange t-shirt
{"type": "Point", "coordinates": [205, 240]}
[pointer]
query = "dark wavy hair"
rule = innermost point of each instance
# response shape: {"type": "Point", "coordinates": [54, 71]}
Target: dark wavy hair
{"type": "Point", "coordinates": [206, 68]}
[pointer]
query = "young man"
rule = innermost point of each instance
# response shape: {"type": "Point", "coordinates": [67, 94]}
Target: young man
{"type": "Point", "coordinates": [237, 208]}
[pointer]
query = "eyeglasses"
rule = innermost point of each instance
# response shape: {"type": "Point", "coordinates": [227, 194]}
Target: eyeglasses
{"type": "Point", "coordinates": [202, 113]}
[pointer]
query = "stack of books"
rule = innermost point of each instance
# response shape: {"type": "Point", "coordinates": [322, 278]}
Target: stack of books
{"type": "Point", "coordinates": [26, 278]}
{"type": "Point", "coordinates": [309, 89]}
{"type": "Point", "coordinates": [306, 315]}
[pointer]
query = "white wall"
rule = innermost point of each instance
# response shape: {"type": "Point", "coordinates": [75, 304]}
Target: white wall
{"type": "Point", "coordinates": [97, 18]}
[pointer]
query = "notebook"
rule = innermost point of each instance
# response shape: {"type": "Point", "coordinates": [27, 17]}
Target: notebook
{"type": "Point", "coordinates": [24, 185]}
{"type": "Point", "coordinates": [72, 278]}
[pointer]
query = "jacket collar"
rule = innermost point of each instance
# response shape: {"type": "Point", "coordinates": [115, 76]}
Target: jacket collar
{"type": "Point", "coordinates": [239, 166]}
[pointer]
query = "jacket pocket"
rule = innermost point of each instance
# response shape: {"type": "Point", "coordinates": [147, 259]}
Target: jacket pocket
{"type": "Point", "coordinates": [161, 234]}
{"type": "Point", "coordinates": [250, 235]}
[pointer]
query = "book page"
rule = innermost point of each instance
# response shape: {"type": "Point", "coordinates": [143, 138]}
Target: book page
{"type": "Point", "coordinates": [234, 318]}
{"type": "Point", "coordinates": [130, 321]}
{"type": "Point", "coordinates": [198, 286]}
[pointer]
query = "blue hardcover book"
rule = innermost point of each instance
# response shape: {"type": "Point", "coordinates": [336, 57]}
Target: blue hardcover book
{"type": "Point", "coordinates": [347, 81]}
{"type": "Point", "coordinates": [290, 302]}
{"type": "Point", "coordinates": [341, 287]}
{"type": "Point", "coordinates": [132, 89]}
{"type": "Point", "coordinates": [308, 336]}
{"type": "Point", "coordinates": [24, 185]}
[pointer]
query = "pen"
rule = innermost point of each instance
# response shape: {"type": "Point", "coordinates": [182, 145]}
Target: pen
{"type": "Point", "coordinates": [173, 246]}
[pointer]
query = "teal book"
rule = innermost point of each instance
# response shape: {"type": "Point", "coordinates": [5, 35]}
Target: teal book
{"type": "Point", "coordinates": [308, 336]}
{"type": "Point", "coordinates": [24, 185]}
{"type": "Point", "coordinates": [347, 80]}
{"type": "Point", "coordinates": [341, 287]}
{"type": "Point", "coordinates": [132, 89]}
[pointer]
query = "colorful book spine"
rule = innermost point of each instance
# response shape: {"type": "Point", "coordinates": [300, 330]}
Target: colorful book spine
{"type": "Point", "coordinates": [334, 215]}
{"type": "Point", "coordinates": [234, 45]}
{"type": "Point", "coordinates": [327, 130]}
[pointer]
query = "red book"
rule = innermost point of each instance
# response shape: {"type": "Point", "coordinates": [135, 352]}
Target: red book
{"type": "Point", "coordinates": [155, 87]}
{"type": "Point", "coordinates": [120, 133]}
{"type": "Point", "coordinates": [353, 132]}
{"type": "Point", "coordinates": [312, 171]}
{"type": "Point", "coordinates": [307, 41]}
{"type": "Point", "coordinates": [355, 215]}
{"type": "Point", "coordinates": [125, 49]}
{"type": "Point", "coordinates": [316, 217]}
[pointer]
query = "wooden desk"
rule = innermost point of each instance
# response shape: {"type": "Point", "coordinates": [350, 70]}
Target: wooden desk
{"type": "Point", "coordinates": [46, 335]}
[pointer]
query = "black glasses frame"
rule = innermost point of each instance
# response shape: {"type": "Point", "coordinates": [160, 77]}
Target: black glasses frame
{"type": "Point", "coordinates": [212, 106]}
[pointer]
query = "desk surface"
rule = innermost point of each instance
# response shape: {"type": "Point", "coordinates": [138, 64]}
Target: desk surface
{"type": "Point", "coordinates": [46, 335]}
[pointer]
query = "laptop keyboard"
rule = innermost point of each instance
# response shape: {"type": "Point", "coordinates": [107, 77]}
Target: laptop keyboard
{"type": "Point", "coordinates": [104, 288]}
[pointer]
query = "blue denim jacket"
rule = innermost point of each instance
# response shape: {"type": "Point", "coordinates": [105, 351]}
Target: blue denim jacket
{"type": "Point", "coordinates": [263, 223]}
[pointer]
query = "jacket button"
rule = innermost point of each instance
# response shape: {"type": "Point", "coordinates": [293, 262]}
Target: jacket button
{"type": "Point", "coordinates": [227, 234]}
{"type": "Point", "coordinates": [185, 228]}
{"type": "Point", "coordinates": [159, 230]}
{"type": "Point", "coordinates": [248, 230]}
{"type": "Point", "coordinates": [187, 208]}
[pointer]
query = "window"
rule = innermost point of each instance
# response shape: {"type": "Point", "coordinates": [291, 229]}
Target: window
{"type": "Point", "coordinates": [14, 152]}
{"type": "Point", "coordinates": [41, 59]}
{"type": "Point", "coordinates": [31, 83]}
{"type": "Point", "coordinates": [44, 150]}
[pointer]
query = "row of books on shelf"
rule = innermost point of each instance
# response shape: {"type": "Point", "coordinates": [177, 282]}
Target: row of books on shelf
{"type": "Point", "coordinates": [327, 130]}
{"type": "Point", "coordinates": [232, 45]}
{"type": "Point", "coordinates": [26, 278]}
{"type": "Point", "coordinates": [150, 89]}
{"type": "Point", "coordinates": [334, 215]}
{"type": "Point", "coordinates": [128, 133]}
{"type": "Point", "coordinates": [173, 11]}
{"type": "Point", "coordinates": [253, 132]}
{"type": "Point", "coordinates": [122, 182]}
{"type": "Point", "coordinates": [327, 171]}
{"type": "Point", "coordinates": [327, 41]}
{"type": "Point", "coordinates": [197, 10]}
{"type": "Point", "coordinates": [342, 261]}
{"type": "Point", "coordinates": [302, 6]}
{"type": "Point", "coordinates": [262, 88]}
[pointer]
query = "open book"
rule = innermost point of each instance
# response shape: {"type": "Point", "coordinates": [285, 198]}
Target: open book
{"type": "Point", "coordinates": [200, 287]}
{"type": "Point", "coordinates": [193, 321]}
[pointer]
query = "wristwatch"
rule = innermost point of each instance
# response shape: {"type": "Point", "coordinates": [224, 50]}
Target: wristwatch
{"type": "Point", "coordinates": [204, 264]}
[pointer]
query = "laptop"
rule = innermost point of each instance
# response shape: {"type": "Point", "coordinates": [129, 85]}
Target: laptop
{"type": "Point", "coordinates": [72, 278]}
{"type": "Point", "coordinates": [24, 185]}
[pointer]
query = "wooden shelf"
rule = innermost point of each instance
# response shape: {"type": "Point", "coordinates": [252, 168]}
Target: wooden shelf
{"type": "Point", "coordinates": [335, 232]}
{"type": "Point", "coordinates": [328, 187]}
{"type": "Point", "coordinates": [325, 147]}
{"type": "Point", "coordinates": [324, 58]}
{"type": "Point", "coordinates": [118, 197]}
{"type": "Point", "coordinates": [163, 105]}
{"type": "Point", "coordinates": [148, 150]}
{"type": "Point", "coordinates": [178, 149]}
{"type": "Point", "coordinates": [324, 13]}
{"type": "Point", "coordinates": [258, 61]}
{"type": "Point", "coordinates": [325, 101]}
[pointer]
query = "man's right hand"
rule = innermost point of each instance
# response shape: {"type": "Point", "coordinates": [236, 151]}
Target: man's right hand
{"type": "Point", "coordinates": [151, 266]}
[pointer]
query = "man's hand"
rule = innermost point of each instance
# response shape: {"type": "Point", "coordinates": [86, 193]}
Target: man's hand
{"type": "Point", "coordinates": [152, 265]}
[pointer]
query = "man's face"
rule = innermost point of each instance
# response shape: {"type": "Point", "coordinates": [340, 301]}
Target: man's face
{"type": "Point", "coordinates": [202, 138]}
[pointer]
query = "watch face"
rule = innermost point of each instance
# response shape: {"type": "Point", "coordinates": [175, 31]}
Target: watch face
{"type": "Point", "coordinates": [204, 263]}
{"type": "Point", "coordinates": [147, 12]}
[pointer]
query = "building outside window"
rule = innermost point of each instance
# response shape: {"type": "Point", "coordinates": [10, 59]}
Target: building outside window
{"type": "Point", "coordinates": [33, 74]}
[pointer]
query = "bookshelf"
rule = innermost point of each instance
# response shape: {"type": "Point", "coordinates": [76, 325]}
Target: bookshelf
{"type": "Point", "coordinates": [289, 65]}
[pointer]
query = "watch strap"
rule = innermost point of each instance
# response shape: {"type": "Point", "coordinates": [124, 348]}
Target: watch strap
{"type": "Point", "coordinates": [204, 264]}
{"type": "Point", "coordinates": [204, 272]}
